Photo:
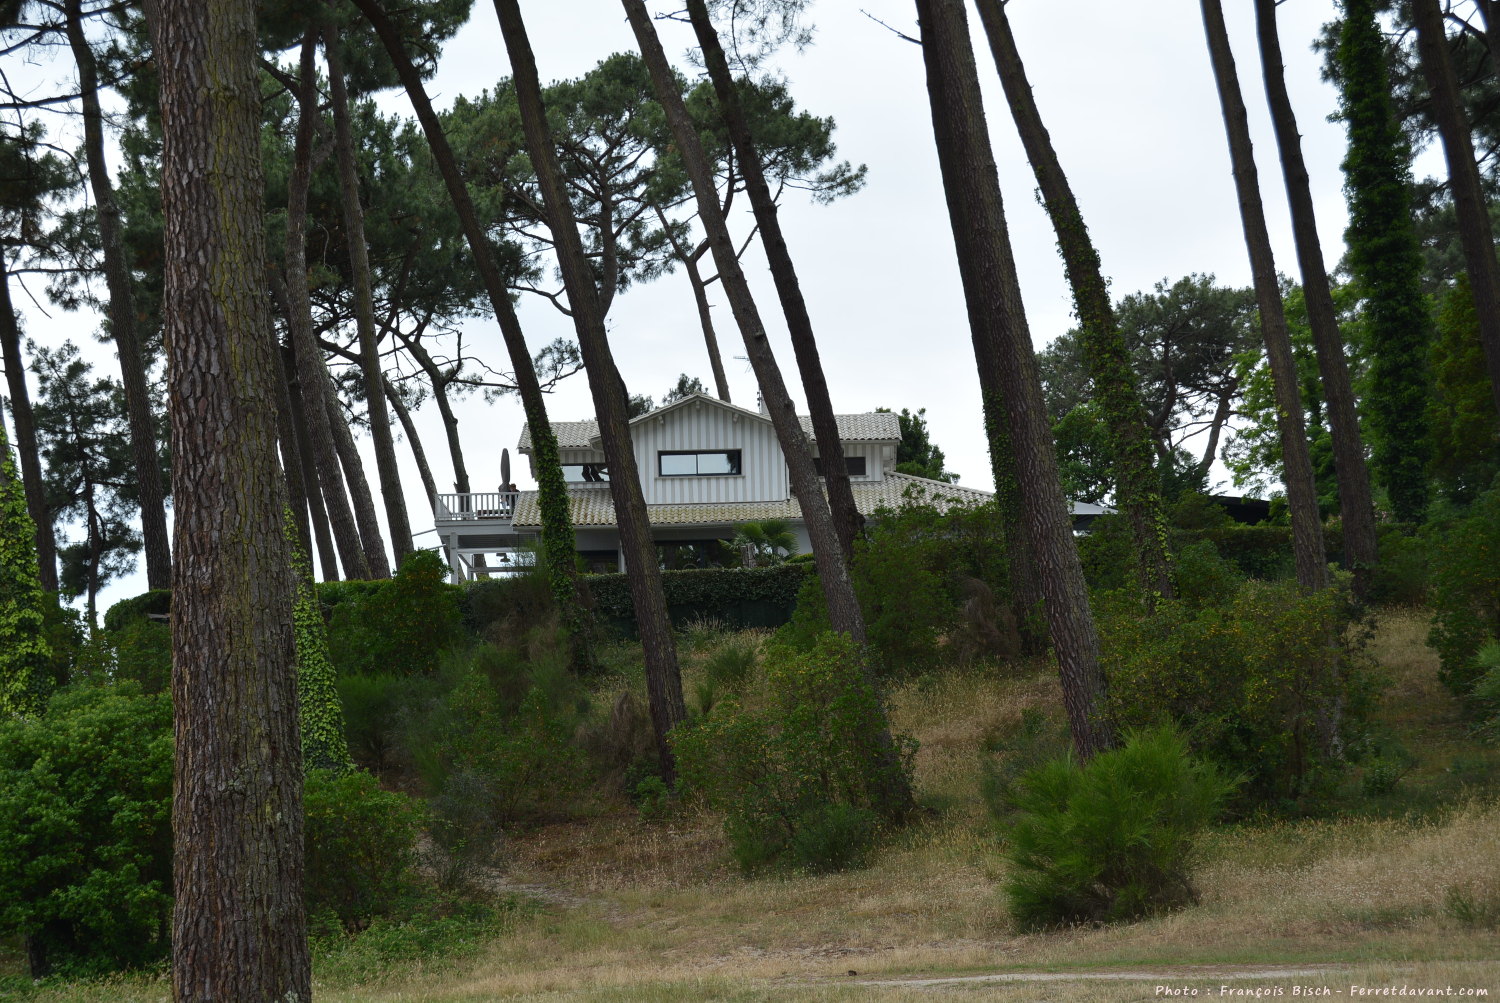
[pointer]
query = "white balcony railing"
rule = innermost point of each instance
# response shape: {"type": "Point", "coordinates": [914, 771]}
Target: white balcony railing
{"type": "Point", "coordinates": [475, 505]}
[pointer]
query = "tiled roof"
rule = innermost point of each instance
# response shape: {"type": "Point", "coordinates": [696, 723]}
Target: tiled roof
{"type": "Point", "coordinates": [592, 506]}
{"type": "Point", "coordinates": [874, 426]}
{"type": "Point", "coordinates": [570, 434]}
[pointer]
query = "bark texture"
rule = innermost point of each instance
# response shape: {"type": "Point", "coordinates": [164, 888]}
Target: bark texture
{"type": "Point", "coordinates": [26, 447]}
{"type": "Point", "coordinates": [611, 402]}
{"type": "Point", "coordinates": [386, 468]}
{"type": "Point", "coordinates": [1006, 360]}
{"type": "Point", "coordinates": [1137, 493]}
{"type": "Point", "coordinates": [1356, 505]}
{"type": "Point", "coordinates": [238, 929]}
{"type": "Point", "coordinates": [847, 521]}
{"type": "Point", "coordinates": [1474, 230]}
{"type": "Point", "coordinates": [122, 328]}
{"type": "Point", "coordinates": [1301, 491]}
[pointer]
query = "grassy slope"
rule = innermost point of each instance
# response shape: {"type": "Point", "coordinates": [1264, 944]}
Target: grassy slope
{"type": "Point", "coordinates": [653, 912]}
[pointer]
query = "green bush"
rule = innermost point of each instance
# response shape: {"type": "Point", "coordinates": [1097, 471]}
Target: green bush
{"type": "Point", "coordinates": [508, 715]}
{"type": "Point", "coordinates": [1465, 579]}
{"type": "Point", "coordinates": [142, 652]}
{"type": "Point", "coordinates": [373, 718]}
{"type": "Point", "coordinates": [401, 626]}
{"type": "Point", "coordinates": [157, 602]}
{"type": "Point", "coordinates": [740, 597]}
{"type": "Point", "coordinates": [1204, 578]}
{"type": "Point", "coordinates": [361, 846]}
{"type": "Point", "coordinates": [1401, 575]}
{"type": "Point", "coordinates": [1111, 840]}
{"type": "Point", "coordinates": [85, 829]}
{"type": "Point", "coordinates": [803, 780]}
{"type": "Point", "coordinates": [1259, 682]}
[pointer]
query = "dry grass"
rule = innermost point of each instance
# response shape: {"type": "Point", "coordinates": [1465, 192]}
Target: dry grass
{"type": "Point", "coordinates": [654, 913]}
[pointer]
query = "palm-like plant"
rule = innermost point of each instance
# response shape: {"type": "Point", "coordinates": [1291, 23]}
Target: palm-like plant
{"type": "Point", "coordinates": [763, 543]}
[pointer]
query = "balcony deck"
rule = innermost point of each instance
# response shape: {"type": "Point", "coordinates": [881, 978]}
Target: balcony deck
{"type": "Point", "coordinates": [478, 533]}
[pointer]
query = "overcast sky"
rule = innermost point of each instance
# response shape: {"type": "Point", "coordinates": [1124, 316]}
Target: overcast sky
{"type": "Point", "coordinates": [1127, 94]}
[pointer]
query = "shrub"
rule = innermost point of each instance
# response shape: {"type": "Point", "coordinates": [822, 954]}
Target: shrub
{"type": "Point", "coordinates": [142, 651]}
{"type": "Point", "coordinates": [1400, 578]}
{"type": "Point", "coordinates": [1466, 593]}
{"type": "Point", "coordinates": [361, 845]}
{"type": "Point", "coordinates": [804, 781]}
{"type": "Point", "coordinates": [1259, 682]}
{"type": "Point", "coordinates": [85, 829]}
{"type": "Point", "coordinates": [1111, 840]}
{"type": "Point", "coordinates": [373, 717]}
{"type": "Point", "coordinates": [403, 625]}
{"type": "Point", "coordinates": [740, 597]}
{"type": "Point", "coordinates": [1203, 577]}
{"type": "Point", "coordinates": [507, 715]}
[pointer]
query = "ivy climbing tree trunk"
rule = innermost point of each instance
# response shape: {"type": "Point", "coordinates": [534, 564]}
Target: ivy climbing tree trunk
{"type": "Point", "coordinates": [1301, 491]}
{"type": "Point", "coordinates": [1005, 358]}
{"type": "Point", "coordinates": [568, 588]}
{"type": "Point", "coordinates": [25, 654]}
{"type": "Point", "coordinates": [847, 521]}
{"type": "Point", "coordinates": [238, 927]}
{"type": "Point", "coordinates": [26, 445]}
{"type": "Point", "coordinates": [122, 313]}
{"type": "Point", "coordinates": [833, 571]}
{"type": "Point", "coordinates": [611, 401]}
{"type": "Point", "coordinates": [1356, 505]}
{"type": "Point", "coordinates": [1474, 230]}
{"type": "Point", "coordinates": [364, 309]}
{"type": "Point", "coordinates": [1137, 493]}
{"type": "Point", "coordinates": [312, 373]}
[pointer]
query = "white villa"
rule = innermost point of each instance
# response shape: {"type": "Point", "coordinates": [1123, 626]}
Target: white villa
{"type": "Point", "coordinates": [705, 466]}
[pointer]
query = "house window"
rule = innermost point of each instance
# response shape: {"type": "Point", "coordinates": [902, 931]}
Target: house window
{"type": "Point", "coordinates": [854, 464]}
{"type": "Point", "coordinates": [585, 472]}
{"type": "Point", "coordinates": [709, 463]}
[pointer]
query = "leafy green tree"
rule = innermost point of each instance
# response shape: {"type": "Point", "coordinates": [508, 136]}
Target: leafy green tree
{"type": "Point", "coordinates": [916, 453]}
{"type": "Point", "coordinates": [1465, 430]}
{"type": "Point", "coordinates": [1386, 262]}
{"type": "Point", "coordinates": [91, 471]}
{"type": "Point", "coordinates": [685, 386]}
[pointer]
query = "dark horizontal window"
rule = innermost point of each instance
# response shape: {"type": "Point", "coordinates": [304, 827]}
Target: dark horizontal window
{"type": "Point", "coordinates": [854, 464]}
{"type": "Point", "coordinates": [585, 472]}
{"type": "Point", "coordinates": [709, 463]}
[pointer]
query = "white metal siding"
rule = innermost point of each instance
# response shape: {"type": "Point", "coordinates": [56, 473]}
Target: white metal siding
{"type": "Point", "coordinates": [703, 427]}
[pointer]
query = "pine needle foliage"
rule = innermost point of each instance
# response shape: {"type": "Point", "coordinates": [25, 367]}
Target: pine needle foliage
{"type": "Point", "coordinates": [1113, 839]}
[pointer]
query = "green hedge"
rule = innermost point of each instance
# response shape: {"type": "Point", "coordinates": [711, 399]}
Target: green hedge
{"type": "Point", "coordinates": [141, 607]}
{"type": "Point", "coordinates": [741, 597]}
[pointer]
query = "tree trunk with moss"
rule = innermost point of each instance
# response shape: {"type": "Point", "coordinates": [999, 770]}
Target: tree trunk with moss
{"type": "Point", "coordinates": [238, 927]}
{"type": "Point", "coordinates": [26, 446]}
{"type": "Point", "coordinates": [25, 654]}
{"type": "Point", "coordinates": [1003, 346]}
{"type": "Point", "coordinates": [1296, 459]}
{"type": "Point", "coordinates": [611, 401]}
{"type": "Point", "coordinates": [1355, 502]}
{"type": "Point", "coordinates": [568, 588]}
{"type": "Point", "coordinates": [1137, 493]}
{"type": "Point", "coordinates": [1472, 207]}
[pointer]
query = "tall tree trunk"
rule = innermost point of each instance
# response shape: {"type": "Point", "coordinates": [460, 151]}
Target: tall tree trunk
{"type": "Point", "coordinates": [1003, 345]}
{"type": "Point", "coordinates": [122, 326]}
{"type": "Point", "coordinates": [690, 259]}
{"type": "Point", "coordinates": [1355, 502]}
{"type": "Point", "coordinates": [364, 307]}
{"type": "Point", "coordinates": [1137, 492]}
{"type": "Point", "coordinates": [1301, 490]}
{"type": "Point", "coordinates": [312, 373]}
{"type": "Point", "coordinates": [317, 513]}
{"type": "Point", "coordinates": [833, 571]}
{"type": "Point", "coordinates": [238, 926]}
{"type": "Point", "coordinates": [359, 490]}
{"type": "Point", "coordinates": [568, 588]}
{"type": "Point", "coordinates": [1474, 230]}
{"type": "Point", "coordinates": [847, 521]}
{"type": "Point", "coordinates": [611, 402]}
{"type": "Point", "coordinates": [440, 384]}
{"type": "Point", "coordinates": [26, 447]}
{"type": "Point", "coordinates": [418, 454]}
{"type": "Point", "coordinates": [292, 466]}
